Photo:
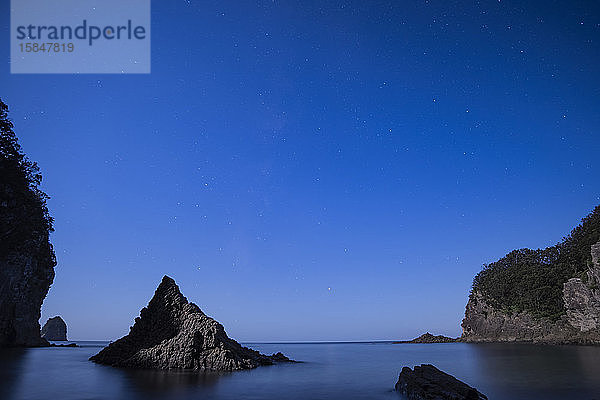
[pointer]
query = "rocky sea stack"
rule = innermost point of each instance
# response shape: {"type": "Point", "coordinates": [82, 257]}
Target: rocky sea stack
{"type": "Point", "coordinates": [55, 329]}
{"type": "Point", "coordinates": [547, 295]}
{"type": "Point", "coordinates": [26, 256]}
{"type": "Point", "coordinates": [427, 382]}
{"type": "Point", "coordinates": [173, 333]}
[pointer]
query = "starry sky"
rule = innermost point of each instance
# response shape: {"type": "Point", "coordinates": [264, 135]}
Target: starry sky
{"type": "Point", "coordinates": [315, 170]}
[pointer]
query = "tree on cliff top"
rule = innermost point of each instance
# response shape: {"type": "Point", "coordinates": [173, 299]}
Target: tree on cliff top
{"type": "Point", "coordinates": [532, 280]}
{"type": "Point", "coordinates": [23, 211]}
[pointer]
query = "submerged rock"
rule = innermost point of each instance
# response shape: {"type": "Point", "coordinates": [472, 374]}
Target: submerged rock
{"type": "Point", "coordinates": [55, 329]}
{"type": "Point", "coordinates": [173, 333]}
{"type": "Point", "coordinates": [427, 382]}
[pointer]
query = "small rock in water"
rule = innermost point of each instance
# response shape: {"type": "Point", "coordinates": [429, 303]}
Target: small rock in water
{"type": "Point", "coordinates": [64, 345]}
{"type": "Point", "coordinates": [280, 357]}
{"type": "Point", "coordinates": [55, 329]}
{"type": "Point", "coordinates": [429, 338]}
{"type": "Point", "coordinates": [427, 382]}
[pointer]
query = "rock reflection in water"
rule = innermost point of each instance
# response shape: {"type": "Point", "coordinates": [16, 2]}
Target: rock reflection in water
{"type": "Point", "coordinates": [167, 380]}
{"type": "Point", "coordinates": [516, 370]}
{"type": "Point", "coordinates": [11, 366]}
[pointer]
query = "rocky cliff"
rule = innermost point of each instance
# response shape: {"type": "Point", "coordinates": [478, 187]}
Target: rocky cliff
{"type": "Point", "coordinates": [582, 297]}
{"type": "Point", "coordinates": [55, 329]}
{"type": "Point", "coordinates": [26, 257]}
{"type": "Point", "coordinates": [489, 317]}
{"type": "Point", "coordinates": [483, 323]}
{"type": "Point", "coordinates": [173, 333]}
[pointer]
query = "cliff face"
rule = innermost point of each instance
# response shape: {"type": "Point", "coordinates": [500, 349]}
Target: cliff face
{"type": "Point", "coordinates": [25, 277]}
{"type": "Point", "coordinates": [580, 325]}
{"type": "Point", "coordinates": [482, 323]}
{"type": "Point", "coordinates": [26, 257]}
{"type": "Point", "coordinates": [173, 333]}
{"type": "Point", "coordinates": [582, 299]}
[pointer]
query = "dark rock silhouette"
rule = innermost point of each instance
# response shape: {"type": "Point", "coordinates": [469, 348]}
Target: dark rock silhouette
{"type": "Point", "coordinates": [55, 329]}
{"type": "Point", "coordinates": [427, 382]}
{"type": "Point", "coordinates": [173, 333]}
{"type": "Point", "coordinates": [429, 338]}
{"type": "Point", "coordinates": [26, 256]}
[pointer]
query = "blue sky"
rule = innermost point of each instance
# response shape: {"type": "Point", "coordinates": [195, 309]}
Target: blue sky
{"type": "Point", "coordinates": [315, 170]}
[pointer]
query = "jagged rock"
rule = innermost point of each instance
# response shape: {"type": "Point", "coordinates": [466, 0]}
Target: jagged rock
{"type": "Point", "coordinates": [429, 338]}
{"type": "Point", "coordinates": [26, 256]}
{"type": "Point", "coordinates": [55, 329]}
{"type": "Point", "coordinates": [173, 333]}
{"type": "Point", "coordinates": [427, 382]}
{"type": "Point", "coordinates": [580, 325]}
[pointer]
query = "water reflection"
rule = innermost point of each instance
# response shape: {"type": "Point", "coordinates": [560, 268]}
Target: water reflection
{"type": "Point", "coordinates": [590, 364]}
{"type": "Point", "coordinates": [515, 370]}
{"type": "Point", "coordinates": [151, 381]}
{"type": "Point", "coordinates": [11, 365]}
{"type": "Point", "coordinates": [332, 371]}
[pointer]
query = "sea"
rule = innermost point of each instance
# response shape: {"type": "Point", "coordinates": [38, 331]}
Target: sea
{"type": "Point", "coordinates": [327, 371]}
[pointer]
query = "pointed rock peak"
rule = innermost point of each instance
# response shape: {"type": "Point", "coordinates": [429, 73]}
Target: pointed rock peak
{"type": "Point", "coordinates": [167, 285]}
{"type": "Point", "coordinates": [172, 333]}
{"type": "Point", "coordinates": [167, 296]}
{"type": "Point", "coordinates": [168, 281]}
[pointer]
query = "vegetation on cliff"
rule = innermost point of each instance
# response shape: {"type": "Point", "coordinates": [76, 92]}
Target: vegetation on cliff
{"type": "Point", "coordinates": [23, 211]}
{"type": "Point", "coordinates": [532, 280]}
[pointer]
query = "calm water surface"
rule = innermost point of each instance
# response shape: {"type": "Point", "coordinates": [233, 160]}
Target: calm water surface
{"type": "Point", "coordinates": [329, 371]}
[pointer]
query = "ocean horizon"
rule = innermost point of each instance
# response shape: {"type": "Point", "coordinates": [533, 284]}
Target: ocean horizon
{"type": "Point", "coordinates": [365, 370]}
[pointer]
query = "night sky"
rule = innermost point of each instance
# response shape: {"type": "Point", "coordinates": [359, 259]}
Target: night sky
{"type": "Point", "coordinates": [318, 170]}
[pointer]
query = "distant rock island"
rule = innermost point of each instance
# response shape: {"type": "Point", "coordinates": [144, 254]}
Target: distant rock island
{"type": "Point", "coordinates": [427, 382]}
{"type": "Point", "coordinates": [55, 329]}
{"type": "Point", "coordinates": [26, 256]}
{"type": "Point", "coordinates": [173, 333]}
{"type": "Point", "coordinates": [547, 295]}
{"type": "Point", "coordinates": [429, 338]}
